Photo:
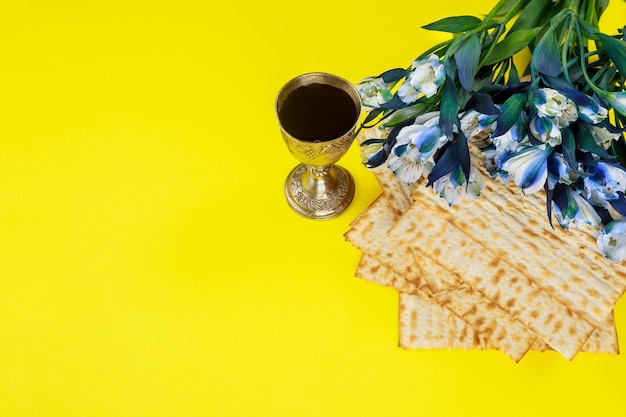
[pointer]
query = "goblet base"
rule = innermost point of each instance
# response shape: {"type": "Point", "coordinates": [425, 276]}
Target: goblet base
{"type": "Point", "coordinates": [319, 197]}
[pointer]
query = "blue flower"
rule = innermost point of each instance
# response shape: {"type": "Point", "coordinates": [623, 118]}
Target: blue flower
{"type": "Point", "coordinates": [514, 138]}
{"type": "Point", "coordinates": [414, 152]}
{"type": "Point", "coordinates": [505, 145]}
{"type": "Point", "coordinates": [576, 211]}
{"type": "Point", "coordinates": [612, 240]}
{"type": "Point", "coordinates": [592, 113]}
{"type": "Point", "coordinates": [374, 92]}
{"type": "Point", "coordinates": [603, 182]}
{"type": "Point", "coordinates": [559, 171]}
{"type": "Point", "coordinates": [551, 112]}
{"type": "Point", "coordinates": [493, 161]}
{"type": "Point", "coordinates": [426, 136]}
{"type": "Point", "coordinates": [546, 129]}
{"type": "Point", "coordinates": [453, 187]}
{"type": "Point", "coordinates": [426, 76]}
{"type": "Point", "coordinates": [529, 167]}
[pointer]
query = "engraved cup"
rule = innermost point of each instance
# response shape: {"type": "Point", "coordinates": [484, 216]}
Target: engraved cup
{"type": "Point", "coordinates": [318, 114]}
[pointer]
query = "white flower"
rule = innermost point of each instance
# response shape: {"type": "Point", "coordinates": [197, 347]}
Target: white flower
{"type": "Point", "coordinates": [374, 92]}
{"type": "Point", "coordinates": [511, 140]}
{"type": "Point", "coordinates": [477, 127]}
{"type": "Point", "coordinates": [453, 189]}
{"type": "Point", "coordinates": [551, 103]}
{"type": "Point", "coordinates": [506, 144]}
{"type": "Point", "coordinates": [428, 139]}
{"type": "Point", "coordinates": [426, 77]}
{"type": "Point", "coordinates": [593, 112]}
{"type": "Point", "coordinates": [603, 183]}
{"type": "Point", "coordinates": [407, 93]}
{"type": "Point", "coordinates": [577, 211]}
{"type": "Point", "coordinates": [529, 167]}
{"type": "Point", "coordinates": [406, 162]}
{"type": "Point", "coordinates": [602, 136]}
{"type": "Point", "coordinates": [559, 171]}
{"type": "Point", "coordinates": [546, 129]}
{"type": "Point", "coordinates": [414, 152]}
{"type": "Point", "coordinates": [612, 240]}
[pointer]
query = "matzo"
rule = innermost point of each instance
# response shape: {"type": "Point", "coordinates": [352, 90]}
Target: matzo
{"type": "Point", "coordinates": [478, 311]}
{"type": "Point", "coordinates": [424, 231]}
{"type": "Point", "coordinates": [554, 266]}
{"type": "Point", "coordinates": [490, 326]}
{"type": "Point", "coordinates": [425, 324]}
{"type": "Point", "coordinates": [426, 272]}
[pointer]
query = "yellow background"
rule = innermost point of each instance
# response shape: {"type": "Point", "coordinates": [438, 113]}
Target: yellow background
{"type": "Point", "coordinates": [149, 265]}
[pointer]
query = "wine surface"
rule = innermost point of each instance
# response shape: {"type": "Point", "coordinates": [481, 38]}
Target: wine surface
{"type": "Point", "coordinates": [317, 112]}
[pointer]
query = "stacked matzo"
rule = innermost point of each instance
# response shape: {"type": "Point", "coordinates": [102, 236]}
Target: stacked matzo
{"type": "Point", "coordinates": [487, 273]}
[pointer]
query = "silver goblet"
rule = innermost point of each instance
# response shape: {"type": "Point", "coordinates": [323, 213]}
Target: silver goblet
{"type": "Point", "coordinates": [318, 114]}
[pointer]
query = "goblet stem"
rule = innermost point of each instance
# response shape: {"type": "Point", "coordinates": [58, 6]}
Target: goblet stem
{"type": "Point", "coordinates": [319, 193]}
{"type": "Point", "coordinates": [319, 182]}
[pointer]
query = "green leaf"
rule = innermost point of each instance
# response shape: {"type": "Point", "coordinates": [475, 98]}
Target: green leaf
{"type": "Point", "coordinates": [607, 78]}
{"type": "Point", "coordinates": [507, 7]}
{"type": "Point", "coordinates": [616, 50]}
{"type": "Point", "coordinates": [467, 58]}
{"type": "Point", "coordinates": [513, 75]}
{"type": "Point", "coordinates": [395, 103]}
{"type": "Point", "coordinates": [511, 110]}
{"type": "Point", "coordinates": [369, 142]}
{"type": "Point", "coordinates": [448, 162]}
{"type": "Point", "coordinates": [449, 108]}
{"type": "Point", "coordinates": [450, 69]}
{"type": "Point", "coordinates": [549, 199]}
{"type": "Point", "coordinates": [569, 146]}
{"type": "Point", "coordinates": [563, 200]}
{"type": "Point", "coordinates": [602, 5]}
{"type": "Point", "coordinates": [532, 15]}
{"type": "Point", "coordinates": [483, 103]}
{"type": "Point", "coordinates": [462, 148]}
{"type": "Point", "coordinates": [547, 55]}
{"type": "Point", "coordinates": [402, 115]}
{"type": "Point", "coordinates": [510, 45]}
{"type": "Point", "coordinates": [393, 75]}
{"type": "Point", "coordinates": [373, 114]}
{"type": "Point", "coordinates": [454, 24]}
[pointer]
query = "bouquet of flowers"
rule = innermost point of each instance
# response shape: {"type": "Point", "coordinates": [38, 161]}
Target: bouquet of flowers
{"type": "Point", "coordinates": [555, 125]}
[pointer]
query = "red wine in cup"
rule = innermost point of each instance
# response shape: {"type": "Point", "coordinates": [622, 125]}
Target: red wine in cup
{"type": "Point", "coordinates": [318, 112]}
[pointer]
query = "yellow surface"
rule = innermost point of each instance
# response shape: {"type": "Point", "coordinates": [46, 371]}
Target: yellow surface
{"type": "Point", "coordinates": [149, 265]}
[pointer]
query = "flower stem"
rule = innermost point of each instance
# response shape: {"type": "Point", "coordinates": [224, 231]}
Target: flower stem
{"type": "Point", "coordinates": [514, 11]}
{"type": "Point", "coordinates": [498, 32]}
{"type": "Point", "coordinates": [496, 9]}
{"type": "Point", "coordinates": [583, 63]}
{"type": "Point", "coordinates": [436, 49]}
{"type": "Point", "coordinates": [565, 51]}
